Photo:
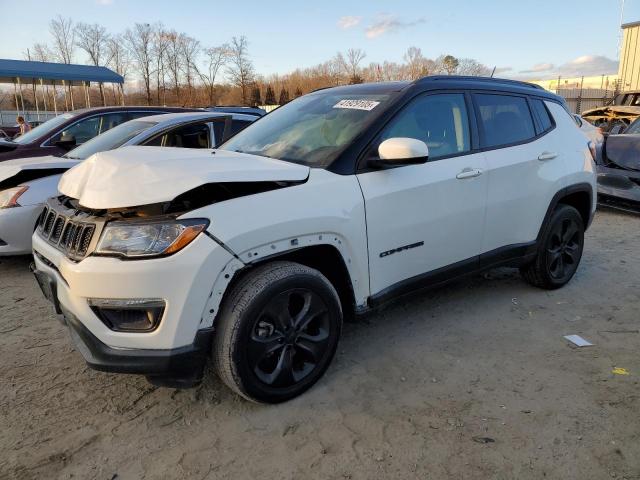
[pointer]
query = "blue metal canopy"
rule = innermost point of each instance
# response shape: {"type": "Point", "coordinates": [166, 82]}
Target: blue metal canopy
{"type": "Point", "coordinates": [22, 71]}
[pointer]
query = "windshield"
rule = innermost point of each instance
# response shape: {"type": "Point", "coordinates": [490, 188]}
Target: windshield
{"type": "Point", "coordinates": [47, 127]}
{"type": "Point", "coordinates": [312, 130]}
{"type": "Point", "coordinates": [113, 138]}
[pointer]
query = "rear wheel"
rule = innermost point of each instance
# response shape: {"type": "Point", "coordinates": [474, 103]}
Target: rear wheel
{"type": "Point", "coordinates": [559, 252]}
{"type": "Point", "coordinates": [277, 332]}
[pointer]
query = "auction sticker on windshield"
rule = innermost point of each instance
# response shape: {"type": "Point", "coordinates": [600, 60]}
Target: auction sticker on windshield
{"type": "Point", "coordinates": [357, 104]}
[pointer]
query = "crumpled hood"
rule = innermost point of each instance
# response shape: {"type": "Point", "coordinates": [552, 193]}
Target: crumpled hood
{"type": "Point", "coordinates": [612, 109]}
{"type": "Point", "coordinates": [11, 168]}
{"type": "Point", "coordinates": [624, 150]}
{"type": "Point", "coordinates": [135, 176]}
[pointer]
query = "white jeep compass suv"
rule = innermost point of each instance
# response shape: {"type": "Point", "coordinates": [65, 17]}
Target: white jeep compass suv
{"type": "Point", "coordinates": [253, 253]}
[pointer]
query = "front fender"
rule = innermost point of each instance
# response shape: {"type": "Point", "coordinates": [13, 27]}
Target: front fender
{"type": "Point", "coordinates": [328, 209]}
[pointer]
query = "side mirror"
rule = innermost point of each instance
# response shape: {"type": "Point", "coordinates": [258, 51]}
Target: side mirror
{"type": "Point", "coordinates": [67, 141]}
{"type": "Point", "coordinates": [401, 151]}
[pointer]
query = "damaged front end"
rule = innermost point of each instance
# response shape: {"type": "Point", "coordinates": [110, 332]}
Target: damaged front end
{"type": "Point", "coordinates": [155, 229]}
{"type": "Point", "coordinates": [619, 173]}
{"type": "Point", "coordinates": [612, 118]}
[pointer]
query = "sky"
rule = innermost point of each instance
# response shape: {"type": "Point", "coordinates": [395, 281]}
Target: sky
{"type": "Point", "coordinates": [539, 39]}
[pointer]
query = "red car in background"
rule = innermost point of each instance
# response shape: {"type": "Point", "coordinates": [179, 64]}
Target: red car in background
{"type": "Point", "coordinates": [68, 130]}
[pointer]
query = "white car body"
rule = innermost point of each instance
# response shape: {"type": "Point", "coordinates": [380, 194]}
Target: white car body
{"type": "Point", "coordinates": [475, 208]}
{"type": "Point", "coordinates": [592, 133]}
{"type": "Point", "coordinates": [17, 223]}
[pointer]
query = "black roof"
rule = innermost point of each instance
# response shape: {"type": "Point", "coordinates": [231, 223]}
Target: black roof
{"type": "Point", "coordinates": [448, 82]}
{"type": "Point", "coordinates": [373, 87]}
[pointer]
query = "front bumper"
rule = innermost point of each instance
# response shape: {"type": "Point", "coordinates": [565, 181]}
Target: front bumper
{"type": "Point", "coordinates": [172, 354]}
{"type": "Point", "coordinates": [16, 228]}
{"type": "Point", "coordinates": [178, 367]}
{"type": "Point", "coordinates": [619, 188]}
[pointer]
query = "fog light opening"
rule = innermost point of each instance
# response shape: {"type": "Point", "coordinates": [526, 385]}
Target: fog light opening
{"type": "Point", "coordinates": [129, 315]}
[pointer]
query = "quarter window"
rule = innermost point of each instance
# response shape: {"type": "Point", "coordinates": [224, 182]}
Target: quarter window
{"type": "Point", "coordinates": [543, 115]}
{"type": "Point", "coordinates": [441, 121]}
{"type": "Point", "coordinates": [505, 119]}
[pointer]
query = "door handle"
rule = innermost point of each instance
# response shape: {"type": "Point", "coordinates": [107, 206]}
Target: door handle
{"type": "Point", "coordinates": [469, 173]}
{"type": "Point", "coordinates": [547, 156]}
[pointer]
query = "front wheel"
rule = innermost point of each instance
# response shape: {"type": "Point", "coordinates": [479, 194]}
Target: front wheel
{"type": "Point", "coordinates": [277, 332]}
{"type": "Point", "coordinates": [559, 252]}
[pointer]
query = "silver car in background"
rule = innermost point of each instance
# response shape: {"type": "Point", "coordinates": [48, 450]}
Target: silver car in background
{"type": "Point", "coordinates": [26, 183]}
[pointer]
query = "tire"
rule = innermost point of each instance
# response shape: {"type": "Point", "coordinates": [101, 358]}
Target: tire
{"type": "Point", "coordinates": [265, 347]}
{"type": "Point", "coordinates": [559, 252]}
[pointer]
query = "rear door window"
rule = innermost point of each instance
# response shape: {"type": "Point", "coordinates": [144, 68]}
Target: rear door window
{"type": "Point", "coordinates": [85, 129]}
{"type": "Point", "coordinates": [504, 119]}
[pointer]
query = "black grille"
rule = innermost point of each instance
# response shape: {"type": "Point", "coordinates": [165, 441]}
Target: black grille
{"type": "Point", "coordinates": [71, 236]}
{"type": "Point", "coordinates": [57, 229]}
{"type": "Point", "coordinates": [48, 223]}
{"type": "Point", "coordinates": [43, 216]}
{"type": "Point", "coordinates": [87, 235]}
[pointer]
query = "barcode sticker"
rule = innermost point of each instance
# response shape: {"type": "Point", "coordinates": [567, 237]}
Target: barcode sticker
{"type": "Point", "coordinates": [357, 104]}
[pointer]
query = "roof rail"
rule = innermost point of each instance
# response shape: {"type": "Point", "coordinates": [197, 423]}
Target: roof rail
{"type": "Point", "coordinates": [432, 78]}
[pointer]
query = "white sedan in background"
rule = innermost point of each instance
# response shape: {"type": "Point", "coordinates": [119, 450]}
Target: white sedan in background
{"type": "Point", "coordinates": [25, 184]}
{"type": "Point", "coordinates": [593, 133]}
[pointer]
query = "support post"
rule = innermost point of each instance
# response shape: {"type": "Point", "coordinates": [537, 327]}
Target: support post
{"type": "Point", "coordinates": [21, 98]}
{"type": "Point", "coordinates": [55, 100]}
{"type": "Point", "coordinates": [66, 100]}
{"type": "Point", "coordinates": [15, 93]}
{"type": "Point", "coordinates": [35, 97]}
{"type": "Point", "coordinates": [45, 94]}
{"type": "Point", "coordinates": [87, 100]}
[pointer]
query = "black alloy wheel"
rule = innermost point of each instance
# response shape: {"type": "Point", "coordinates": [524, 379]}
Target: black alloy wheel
{"type": "Point", "coordinates": [564, 249]}
{"type": "Point", "coordinates": [277, 331]}
{"type": "Point", "coordinates": [559, 250]}
{"type": "Point", "coordinates": [289, 338]}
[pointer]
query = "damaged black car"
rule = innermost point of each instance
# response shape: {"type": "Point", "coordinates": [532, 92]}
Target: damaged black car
{"type": "Point", "coordinates": [619, 170]}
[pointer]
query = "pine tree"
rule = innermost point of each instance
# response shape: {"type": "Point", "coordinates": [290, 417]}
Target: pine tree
{"type": "Point", "coordinates": [256, 99]}
{"type": "Point", "coordinates": [270, 96]}
{"type": "Point", "coordinates": [298, 92]}
{"type": "Point", "coordinates": [284, 96]}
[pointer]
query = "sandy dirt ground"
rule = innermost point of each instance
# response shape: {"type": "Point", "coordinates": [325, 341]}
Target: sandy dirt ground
{"type": "Point", "coordinates": [471, 381]}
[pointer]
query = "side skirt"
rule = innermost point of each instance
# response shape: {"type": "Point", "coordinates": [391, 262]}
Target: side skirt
{"type": "Point", "coordinates": [508, 256]}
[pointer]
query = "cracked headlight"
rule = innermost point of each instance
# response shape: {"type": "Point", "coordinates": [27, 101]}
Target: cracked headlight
{"type": "Point", "coordinates": [148, 239]}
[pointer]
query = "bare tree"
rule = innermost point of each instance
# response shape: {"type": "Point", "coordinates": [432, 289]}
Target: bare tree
{"type": "Point", "coordinates": [139, 40]}
{"type": "Point", "coordinates": [354, 57]}
{"type": "Point", "coordinates": [417, 64]}
{"type": "Point", "coordinates": [119, 59]}
{"type": "Point", "coordinates": [190, 50]}
{"type": "Point", "coordinates": [63, 35]}
{"type": "Point", "coordinates": [41, 53]}
{"type": "Point", "coordinates": [240, 70]}
{"type": "Point", "coordinates": [469, 66]}
{"type": "Point", "coordinates": [93, 40]}
{"type": "Point", "coordinates": [160, 46]}
{"type": "Point", "coordinates": [174, 59]}
{"type": "Point", "coordinates": [216, 58]}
